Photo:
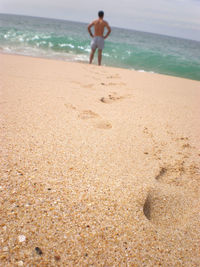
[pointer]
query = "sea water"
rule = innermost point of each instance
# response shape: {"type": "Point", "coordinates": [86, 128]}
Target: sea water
{"type": "Point", "coordinates": [70, 41]}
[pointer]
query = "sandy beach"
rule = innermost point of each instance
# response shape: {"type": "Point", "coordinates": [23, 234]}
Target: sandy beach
{"type": "Point", "coordinates": [99, 166]}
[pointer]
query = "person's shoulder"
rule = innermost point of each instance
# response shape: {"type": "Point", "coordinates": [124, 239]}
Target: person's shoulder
{"type": "Point", "coordinates": [95, 21]}
{"type": "Point", "coordinates": [105, 22]}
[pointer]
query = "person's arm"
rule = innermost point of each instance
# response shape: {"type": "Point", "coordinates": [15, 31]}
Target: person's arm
{"type": "Point", "coordinates": [89, 28]}
{"type": "Point", "coordinates": [108, 32]}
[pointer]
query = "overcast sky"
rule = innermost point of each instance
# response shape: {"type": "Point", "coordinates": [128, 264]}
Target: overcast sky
{"type": "Point", "coordinates": [170, 17]}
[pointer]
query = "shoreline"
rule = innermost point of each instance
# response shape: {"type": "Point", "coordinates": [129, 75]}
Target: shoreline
{"type": "Point", "coordinates": [87, 62]}
{"type": "Point", "coordinates": [98, 165]}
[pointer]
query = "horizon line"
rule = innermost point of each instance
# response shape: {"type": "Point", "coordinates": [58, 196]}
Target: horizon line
{"type": "Point", "coordinates": [118, 27]}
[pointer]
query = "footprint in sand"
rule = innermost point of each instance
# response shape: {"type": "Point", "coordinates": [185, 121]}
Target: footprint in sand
{"type": "Point", "coordinates": [178, 174]}
{"type": "Point", "coordinates": [113, 84]}
{"type": "Point", "coordinates": [97, 122]}
{"type": "Point", "coordinates": [87, 114]}
{"type": "Point", "coordinates": [111, 98]}
{"type": "Point", "coordinates": [167, 207]}
{"type": "Point", "coordinates": [69, 106]}
{"type": "Point", "coordinates": [181, 170]}
{"type": "Point", "coordinates": [170, 202]}
{"type": "Point", "coordinates": [113, 76]}
{"type": "Point", "coordinates": [171, 174]}
{"type": "Point", "coordinates": [88, 85]}
{"type": "Point", "coordinates": [103, 124]}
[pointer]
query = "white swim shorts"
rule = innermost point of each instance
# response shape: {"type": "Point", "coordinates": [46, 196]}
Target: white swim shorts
{"type": "Point", "coordinates": [97, 42]}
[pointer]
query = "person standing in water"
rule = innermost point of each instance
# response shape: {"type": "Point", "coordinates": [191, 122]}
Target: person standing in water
{"type": "Point", "coordinates": [98, 37]}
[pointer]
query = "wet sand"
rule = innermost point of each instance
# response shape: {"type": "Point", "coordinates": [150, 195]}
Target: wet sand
{"type": "Point", "coordinates": [99, 166]}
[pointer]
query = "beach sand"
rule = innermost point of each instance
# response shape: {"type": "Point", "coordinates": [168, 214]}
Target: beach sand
{"type": "Point", "coordinates": [99, 166]}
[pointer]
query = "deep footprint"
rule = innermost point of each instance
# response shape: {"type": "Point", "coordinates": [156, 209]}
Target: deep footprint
{"type": "Point", "coordinates": [166, 207]}
{"type": "Point", "coordinates": [161, 173]}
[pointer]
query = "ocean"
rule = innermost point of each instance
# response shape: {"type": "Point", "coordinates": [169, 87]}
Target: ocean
{"type": "Point", "coordinates": [70, 41]}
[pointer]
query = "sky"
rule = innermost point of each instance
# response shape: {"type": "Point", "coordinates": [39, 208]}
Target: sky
{"type": "Point", "coordinates": [180, 18]}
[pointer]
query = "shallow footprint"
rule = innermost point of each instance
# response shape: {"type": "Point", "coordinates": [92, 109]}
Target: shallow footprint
{"type": "Point", "coordinates": [88, 114]}
{"type": "Point", "coordinates": [88, 85]}
{"type": "Point", "coordinates": [113, 76]}
{"type": "Point", "coordinates": [96, 119]}
{"type": "Point", "coordinates": [103, 124]}
{"type": "Point", "coordinates": [178, 174]}
{"type": "Point", "coordinates": [69, 106]}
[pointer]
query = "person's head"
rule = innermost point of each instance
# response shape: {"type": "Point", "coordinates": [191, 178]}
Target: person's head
{"type": "Point", "coordinates": [101, 14]}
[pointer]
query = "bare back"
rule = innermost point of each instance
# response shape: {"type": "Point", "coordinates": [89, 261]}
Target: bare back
{"type": "Point", "coordinates": [99, 26]}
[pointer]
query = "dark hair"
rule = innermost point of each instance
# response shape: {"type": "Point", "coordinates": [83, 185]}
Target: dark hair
{"type": "Point", "coordinates": [101, 14]}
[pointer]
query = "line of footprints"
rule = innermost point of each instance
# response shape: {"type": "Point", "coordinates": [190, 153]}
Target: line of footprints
{"type": "Point", "coordinates": [89, 115]}
{"type": "Point", "coordinates": [97, 120]}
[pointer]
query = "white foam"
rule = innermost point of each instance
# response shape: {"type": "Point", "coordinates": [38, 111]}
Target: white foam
{"type": "Point", "coordinates": [81, 47]}
{"type": "Point", "coordinates": [66, 45]}
{"type": "Point", "coordinates": [145, 71]}
{"type": "Point", "coordinates": [70, 45]}
{"type": "Point", "coordinates": [81, 58]}
{"type": "Point", "coordinates": [36, 37]}
{"type": "Point", "coordinates": [63, 45]}
{"type": "Point", "coordinates": [46, 37]}
{"type": "Point", "coordinates": [21, 39]}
